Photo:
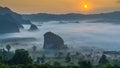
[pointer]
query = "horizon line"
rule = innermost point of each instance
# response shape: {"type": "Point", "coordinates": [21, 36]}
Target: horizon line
{"type": "Point", "coordinates": [61, 13]}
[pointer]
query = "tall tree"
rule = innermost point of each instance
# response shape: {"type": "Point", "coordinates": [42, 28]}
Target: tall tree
{"type": "Point", "coordinates": [8, 47]}
{"type": "Point", "coordinates": [43, 58]}
{"type": "Point", "coordinates": [103, 59]}
{"type": "Point", "coordinates": [21, 57]}
{"type": "Point", "coordinates": [57, 64]}
{"type": "Point", "coordinates": [34, 48]}
{"type": "Point", "coordinates": [85, 64]}
{"type": "Point", "coordinates": [68, 58]}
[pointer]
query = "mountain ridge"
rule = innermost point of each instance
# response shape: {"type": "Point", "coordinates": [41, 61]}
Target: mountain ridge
{"type": "Point", "coordinates": [110, 17]}
{"type": "Point", "coordinates": [16, 16]}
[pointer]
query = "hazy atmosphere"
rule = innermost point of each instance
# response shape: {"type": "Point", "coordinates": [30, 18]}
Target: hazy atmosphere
{"type": "Point", "coordinates": [59, 33]}
{"type": "Point", "coordinates": [61, 6]}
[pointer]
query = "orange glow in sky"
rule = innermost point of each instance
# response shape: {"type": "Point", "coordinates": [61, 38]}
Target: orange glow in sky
{"type": "Point", "coordinates": [61, 6]}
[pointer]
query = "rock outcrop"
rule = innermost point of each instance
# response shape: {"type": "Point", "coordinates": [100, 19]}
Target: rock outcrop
{"type": "Point", "coordinates": [8, 24]}
{"type": "Point", "coordinates": [33, 27]}
{"type": "Point", "coordinates": [53, 41]}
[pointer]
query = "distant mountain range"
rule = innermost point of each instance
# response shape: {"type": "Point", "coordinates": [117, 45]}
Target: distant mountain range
{"type": "Point", "coordinates": [102, 17]}
{"type": "Point", "coordinates": [11, 21]}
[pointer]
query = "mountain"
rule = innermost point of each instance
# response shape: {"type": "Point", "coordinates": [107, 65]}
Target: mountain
{"type": "Point", "coordinates": [106, 17]}
{"type": "Point", "coordinates": [8, 24]}
{"type": "Point", "coordinates": [52, 17]}
{"type": "Point", "coordinates": [102, 17]}
{"type": "Point", "coordinates": [15, 16]}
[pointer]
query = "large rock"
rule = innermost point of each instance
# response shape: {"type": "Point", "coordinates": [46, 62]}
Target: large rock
{"type": "Point", "coordinates": [8, 24]}
{"type": "Point", "coordinates": [33, 27]}
{"type": "Point", "coordinates": [53, 41]}
{"type": "Point", "coordinates": [15, 16]}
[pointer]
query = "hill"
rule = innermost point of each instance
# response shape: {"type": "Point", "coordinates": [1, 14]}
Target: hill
{"type": "Point", "coordinates": [102, 17]}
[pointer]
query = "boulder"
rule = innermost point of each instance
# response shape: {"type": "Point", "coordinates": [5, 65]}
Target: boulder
{"type": "Point", "coordinates": [33, 27]}
{"type": "Point", "coordinates": [53, 41]}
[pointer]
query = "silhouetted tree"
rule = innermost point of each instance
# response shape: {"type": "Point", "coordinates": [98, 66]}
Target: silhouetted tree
{"type": "Point", "coordinates": [34, 48]}
{"type": "Point", "coordinates": [60, 54]}
{"type": "Point", "coordinates": [8, 47]}
{"type": "Point", "coordinates": [21, 57]}
{"type": "Point", "coordinates": [4, 52]}
{"type": "Point", "coordinates": [1, 59]}
{"type": "Point", "coordinates": [38, 60]}
{"type": "Point", "coordinates": [77, 53]}
{"type": "Point", "coordinates": [68, 58]}
{"type": "Point", "coordinates": [110, 66]}
{"type": "Point", "coordinates": [42, 58]}
{"type": "Point", "coordinates": [56, 64]}
{"type": "Point", "coordinates": [46, 65]}
{"type": "Point", "coordinates": [85, 64]}
{"type": "Point", "coordinates": [103, 59]}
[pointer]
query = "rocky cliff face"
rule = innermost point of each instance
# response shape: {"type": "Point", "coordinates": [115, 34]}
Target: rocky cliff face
{"type": "Point", "coordinates": [33, 27]}
{"type": "Point", "coordinates": [53, 41]}
{"type": "Point", "coordinates": [8, 24]}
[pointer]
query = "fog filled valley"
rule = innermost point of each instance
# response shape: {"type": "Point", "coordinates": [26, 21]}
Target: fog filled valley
{"type": "Point", "coordinates": [84, 38]}
{"type": "Point", "coordinates": [100, 35]}
{"type": "Point", "coordinates": [59, 40]}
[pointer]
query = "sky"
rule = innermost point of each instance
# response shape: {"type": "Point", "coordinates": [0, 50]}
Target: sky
{"type": "Point", "coordinates": [61, 6]}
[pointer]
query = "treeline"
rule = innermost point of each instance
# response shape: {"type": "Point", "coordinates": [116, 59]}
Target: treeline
{"type": "Point", "coordinates": [82, 65]}
{"type": "Point", "coordinates": [22, 59]}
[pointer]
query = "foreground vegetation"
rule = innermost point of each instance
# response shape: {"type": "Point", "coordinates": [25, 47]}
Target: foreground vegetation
{"type": "Point", "coordinates": [22, 59]}
{"type": "Point", "coordinates": [82, 65]}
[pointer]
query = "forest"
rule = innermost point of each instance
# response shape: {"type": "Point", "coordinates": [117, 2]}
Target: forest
{"type": "Point", "coordinates": [22, 59]}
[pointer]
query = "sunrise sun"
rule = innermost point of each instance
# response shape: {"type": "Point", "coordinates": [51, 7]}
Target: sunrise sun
{"type": "Point", "coordinates": [85, 6]}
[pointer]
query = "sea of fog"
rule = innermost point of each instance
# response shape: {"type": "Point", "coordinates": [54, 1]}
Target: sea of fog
{"type": "Point", "coordinates": [75, 35]}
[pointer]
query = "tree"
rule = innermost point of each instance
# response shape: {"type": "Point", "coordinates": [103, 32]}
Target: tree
{"type": "Point", "coordinates": [8, 47]}
{"type": "Point", "coordinates": [103, 59]}
{"type": "Point", "coordinates": [110, 66]}
{"type": "Point", "coordinates": [4, 54]}
{"type": "Point", "coordinates": [38, 60]}
{"type": "Point", "coordinates": [21, 57]}
{"type": "Point", "coordinates": [68, 58]}
{"type": "Point", "coordinates": [42, 58]}
{"type": "Point", "coordinates": [1, 59]}
{"type": "Point", "coordinates": [34, 48]}
{"type": "Point", "coordinates": [85, 64]}
{"type": "Point", "coordinates": [56, 64]}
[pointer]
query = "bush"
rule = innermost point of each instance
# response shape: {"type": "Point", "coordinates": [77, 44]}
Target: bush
{"type": "Point", "coordinates": [21, 57]}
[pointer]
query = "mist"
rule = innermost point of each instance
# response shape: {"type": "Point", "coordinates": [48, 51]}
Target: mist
{"type": "Point", "coordinates": [75, 35]}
